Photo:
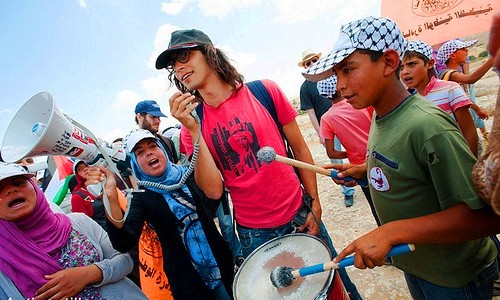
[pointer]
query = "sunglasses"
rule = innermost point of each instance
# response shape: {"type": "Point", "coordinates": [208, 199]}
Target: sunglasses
{"type": "Point", "coordinates": [308, 63]}
{"type": "Point", "coordinates": [181, 56]}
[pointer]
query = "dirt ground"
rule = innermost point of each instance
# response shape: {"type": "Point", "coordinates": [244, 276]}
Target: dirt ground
{"type": "Point", "coordinates": [346, 224]}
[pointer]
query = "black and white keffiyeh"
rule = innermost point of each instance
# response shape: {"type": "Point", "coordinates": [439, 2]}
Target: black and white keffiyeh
{"type": "Point", "coordinates": [420, 47]}
{"type": "Point", "coordinates": [450, 47]}
{"type": "Point", "coordinates": [371, 33]}
{"type": "Point", "coordinates": [328, 87]}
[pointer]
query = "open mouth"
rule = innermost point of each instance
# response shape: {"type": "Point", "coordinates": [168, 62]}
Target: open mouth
{"type": "Point", "coordinates": [16, 202]}
{"type": "Point", "coordinates": [186, 76]}
{"type": "Point", "coordinates": [154, 162]}
{"type": "Point", "coordinates": [408, 79]}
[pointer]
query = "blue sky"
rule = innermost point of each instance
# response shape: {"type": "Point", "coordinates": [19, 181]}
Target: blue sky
{"type": "Point", "coordinates": [97, 58]}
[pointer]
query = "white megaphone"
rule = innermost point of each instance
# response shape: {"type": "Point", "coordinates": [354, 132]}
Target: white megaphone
{"type": "Point", "coordinates": [40, 128]}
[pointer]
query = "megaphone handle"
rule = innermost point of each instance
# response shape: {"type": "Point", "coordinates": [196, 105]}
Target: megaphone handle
{"type": "Point", "coordinates": [107, 206]}
{"type": "Point", "coordinates": [95, 189]}
{"type": "Point", "coordinates": [108, 164]}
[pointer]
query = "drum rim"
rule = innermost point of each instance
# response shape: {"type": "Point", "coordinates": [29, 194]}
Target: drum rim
{"type": "Point", "coordinates": [330, 276]}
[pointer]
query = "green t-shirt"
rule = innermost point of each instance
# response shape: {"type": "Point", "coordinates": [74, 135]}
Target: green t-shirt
{"type": "Point", "coordinates": [418, 164]}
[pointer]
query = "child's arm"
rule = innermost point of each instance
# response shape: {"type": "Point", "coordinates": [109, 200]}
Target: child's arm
{"type": "Point", "coordinates": [481, 113]}
{"type": "Point", "coordinates": [331, 152]}
{"type": "Point", "coordinates": [314, 121]}
{"type": "Point", "coordinates": [474, 76]}
{"type": "Point", "coordinates": [453, 225]}
{"type": "Point", "coordinates": [468, 128]}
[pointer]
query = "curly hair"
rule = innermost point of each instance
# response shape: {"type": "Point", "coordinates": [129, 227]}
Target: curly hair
{"type": "Point", "coordinates": [220, 63]}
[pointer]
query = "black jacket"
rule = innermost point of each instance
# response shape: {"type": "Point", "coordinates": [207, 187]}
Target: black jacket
{"type": "Point", "coordinates": [185, 283]}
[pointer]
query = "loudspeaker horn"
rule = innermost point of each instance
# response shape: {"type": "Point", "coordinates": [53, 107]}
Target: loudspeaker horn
{"type": "Point", "coordinates": [41, 128]}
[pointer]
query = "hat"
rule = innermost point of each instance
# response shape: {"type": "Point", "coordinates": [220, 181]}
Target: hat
{"type": "Point", "coordinates": [450, 47]}
{"type": "Point", "coordinates": [420, 47]}
{"type": "Point", "coordinates": [150, 107]}
{"type": "Point", "coordinates": [328, 87]}
{"type": "Point", "coordinates": [182, 39]}
{"type": "Point", "coordinates": [377, 34]}
{"type": "Point", "coordinates": [308, 55]}
{"type": "Point", "coordinates": [10, 170]}
{"type": "Point", "coordinates": [134, 137]}
{"type": "Point", "coordinates": [76, 163]}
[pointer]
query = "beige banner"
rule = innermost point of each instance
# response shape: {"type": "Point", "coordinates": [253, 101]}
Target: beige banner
{"type": "Point", "coordinates": [437, 21]}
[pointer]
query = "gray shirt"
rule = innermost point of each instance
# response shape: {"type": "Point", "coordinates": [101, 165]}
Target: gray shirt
{"type": "Point", "coordinates": [114, 265]}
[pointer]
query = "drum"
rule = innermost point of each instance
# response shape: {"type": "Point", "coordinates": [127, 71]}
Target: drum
{"type": "Point", "coordinates": [296, 251]}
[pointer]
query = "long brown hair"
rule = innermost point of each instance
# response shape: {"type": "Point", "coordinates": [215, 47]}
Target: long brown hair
{"type": "Point", "coordinates": [219, 62]}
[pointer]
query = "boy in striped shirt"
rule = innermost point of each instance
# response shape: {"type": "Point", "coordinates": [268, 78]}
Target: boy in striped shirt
{"type": "Point", "coordinates": [417, 71]}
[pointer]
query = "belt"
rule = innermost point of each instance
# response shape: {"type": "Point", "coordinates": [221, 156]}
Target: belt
{"type": "Point", "coordinates": [271, 228]}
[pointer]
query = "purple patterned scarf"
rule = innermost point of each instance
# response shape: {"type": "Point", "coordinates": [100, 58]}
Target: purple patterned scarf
{"type": "Point", "coordinates": [31, 247]}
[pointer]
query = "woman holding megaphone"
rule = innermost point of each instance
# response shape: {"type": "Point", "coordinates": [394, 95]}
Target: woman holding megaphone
{"type": "Point", "coordinates": [197, 261]}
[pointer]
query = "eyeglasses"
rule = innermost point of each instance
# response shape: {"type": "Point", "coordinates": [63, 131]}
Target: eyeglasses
{"type": "Point", "coordinates": [308, 63]}
{"type": "Point", "coordinates": [181, 56]}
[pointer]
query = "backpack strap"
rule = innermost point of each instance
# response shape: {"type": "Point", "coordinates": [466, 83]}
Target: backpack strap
{"type": "Point", "coordinates": [84, 196]}
{"type": "Point", "coordinates": [260, 92]}
{"type": "Point", "coordinates": [446, 74]}
{"type": "Point", "coordinates": [199, 110]}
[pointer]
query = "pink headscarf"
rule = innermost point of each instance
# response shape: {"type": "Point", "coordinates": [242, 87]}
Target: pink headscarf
{"type": "Point", "coordinates": [31, 247]}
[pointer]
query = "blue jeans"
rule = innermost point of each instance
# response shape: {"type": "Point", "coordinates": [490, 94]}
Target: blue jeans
{"type": "Point", "coordinates": [346, 190]}
{"type": "Point", "coordinates": [480, 288]}
{"type": "Point", "coordinates": [251, 239]}
{"type": "Point", "coordinates": [228, 233]}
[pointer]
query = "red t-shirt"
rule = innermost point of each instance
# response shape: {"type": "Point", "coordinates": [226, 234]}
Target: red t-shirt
{"type": "Point", "coordinates": [351, 126]}
{"type": "Point", "coordinates": [263, 195]}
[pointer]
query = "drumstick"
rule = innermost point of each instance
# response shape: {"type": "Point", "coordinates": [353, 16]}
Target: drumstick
{"type": "Point", "coordinates": [282, 277]}
{"type": "Point", "coordinates": [267, 155]}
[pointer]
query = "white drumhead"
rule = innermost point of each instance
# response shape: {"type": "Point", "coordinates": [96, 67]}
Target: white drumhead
{"type": "Point", "coordinates": [296, 251]}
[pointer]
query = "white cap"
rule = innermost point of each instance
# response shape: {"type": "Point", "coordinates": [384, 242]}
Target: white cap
{"type": "Point", "coordinates": [75, 164]}
{"type": "Point", "coordinates": [370, 33]}
{"type": "Point", "coordinates": [420, 47]}
{"type": "Point", "coordinates": [10, 170]}
{"type": "Point", "coordinates": [451, 47]}
{"type": "Point", "coordinates": [134, 137]}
